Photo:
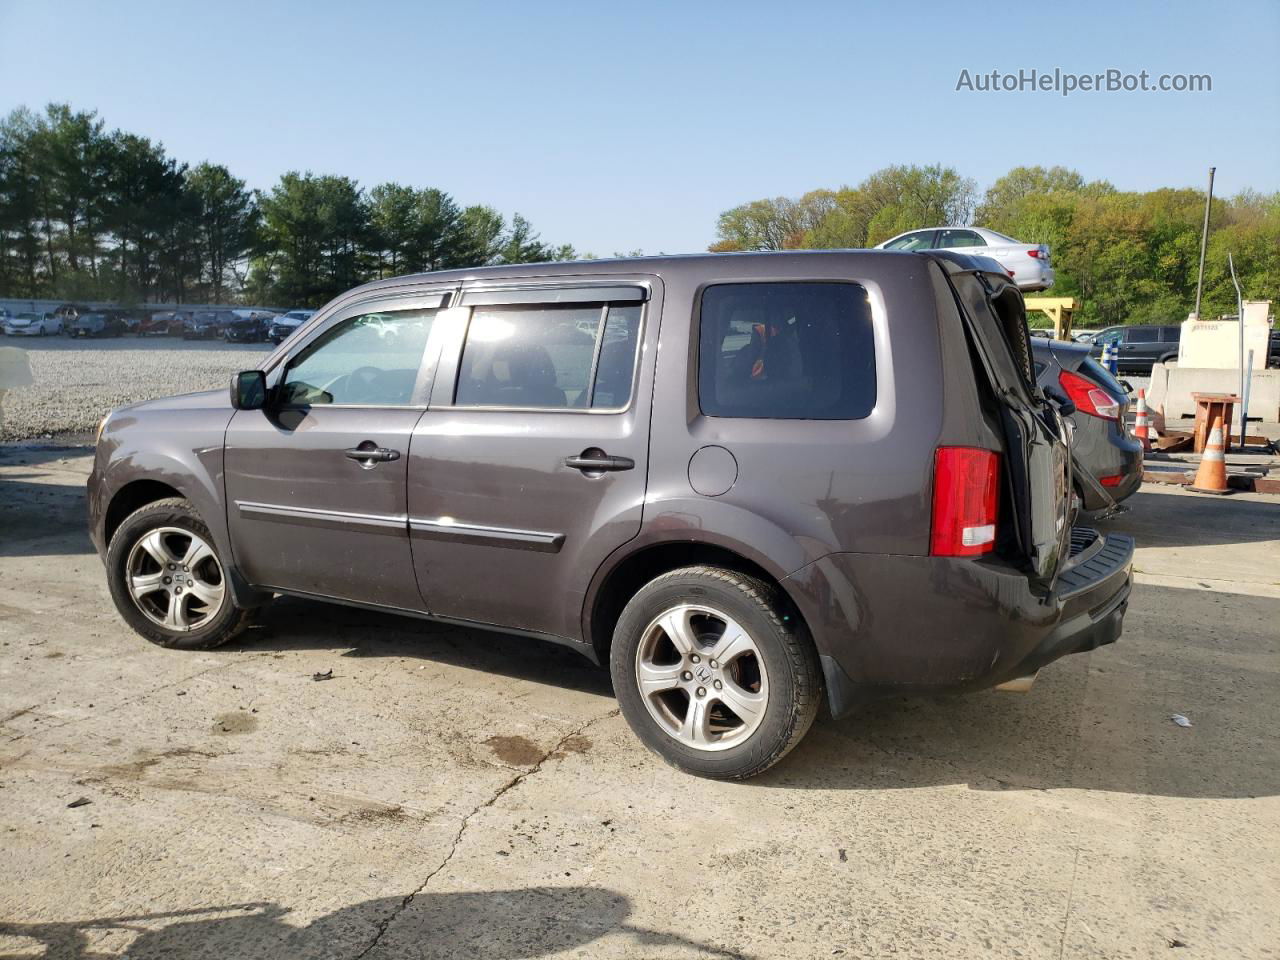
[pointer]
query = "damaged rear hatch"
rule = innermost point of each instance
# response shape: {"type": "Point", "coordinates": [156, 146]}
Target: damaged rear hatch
{"type": "Point", "coordinates": [1039, 484]}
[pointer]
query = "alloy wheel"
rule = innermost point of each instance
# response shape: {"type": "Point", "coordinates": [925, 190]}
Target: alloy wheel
{"type": "Point", "coordinates": [702, 677]}
{"type": "Point", "coordinates": [175, 579]}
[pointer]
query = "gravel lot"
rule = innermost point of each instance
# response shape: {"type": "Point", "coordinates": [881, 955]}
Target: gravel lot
{"type": "Point", "coordinates": [76, 382]}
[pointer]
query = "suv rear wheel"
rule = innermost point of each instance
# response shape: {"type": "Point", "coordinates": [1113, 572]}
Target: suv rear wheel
{"type": "Point", "coordinates": [167, 579]}
{"type": "Point", "coordinates": [712, 673]}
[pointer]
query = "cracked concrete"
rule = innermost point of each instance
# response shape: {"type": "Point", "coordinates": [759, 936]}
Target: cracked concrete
{"type": "Point", "coordinates": [466, 822]}
{"type": "Point", "coordinates": [467, 795]}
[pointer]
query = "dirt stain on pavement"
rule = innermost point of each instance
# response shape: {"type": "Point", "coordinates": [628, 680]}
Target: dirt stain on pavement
{"type": "Point", "coordinates": [374, 815]}
{"type": "Point", "coordinates": [515, 751]}
{"type": "Point", "coordinates": [237, 721]}
{"type": "Point", "coordinates": [143, 761]}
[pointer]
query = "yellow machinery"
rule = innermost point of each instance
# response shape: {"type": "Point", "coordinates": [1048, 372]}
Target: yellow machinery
{"type": "Point", "coordinates": [1058, 309]}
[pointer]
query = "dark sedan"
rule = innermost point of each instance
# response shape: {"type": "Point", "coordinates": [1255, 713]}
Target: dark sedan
{"type": "Point", "coordinates": [97, 325]}
{"type": "Point", "coordinates": [251, 329]}
{"type": "Point", "coordinates": [1101, 444]}
{"type": "Point", "coordinates": [207, 324]}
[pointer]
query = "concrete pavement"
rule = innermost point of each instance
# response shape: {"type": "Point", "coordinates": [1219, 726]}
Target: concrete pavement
{"type": "Point", "coordinates": [459, 794]}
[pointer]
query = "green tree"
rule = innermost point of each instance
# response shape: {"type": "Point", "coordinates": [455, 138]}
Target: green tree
{"type": "Point", "coordinates": [20, 245]}
{"type": "Point", "coordinates": [226, 226]}
{"type": "Point", "coordinates": [146, 194]}
{"type": "Point", "coordinates": [482, 229]}
{"type": "Point", "coordinates": [521, 244]}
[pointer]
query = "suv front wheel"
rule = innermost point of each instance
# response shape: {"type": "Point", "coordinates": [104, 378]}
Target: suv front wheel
{"type": "Point", "coordinates": [167, 579]}
{"type": "Point", "coordinates": [713, 674]}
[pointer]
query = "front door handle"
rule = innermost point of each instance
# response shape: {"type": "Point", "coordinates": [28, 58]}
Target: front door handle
{"type": "Point", "coordinates": [368, 454]}
{"type": "Point", "coordinates": [597, 461]}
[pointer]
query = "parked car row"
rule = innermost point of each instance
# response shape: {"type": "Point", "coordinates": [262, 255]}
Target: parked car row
{"type": "Point", "coordinates": [233, 326]}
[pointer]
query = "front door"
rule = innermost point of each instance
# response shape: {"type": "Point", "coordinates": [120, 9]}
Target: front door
{"type": "Point", "coordinates": [529, 468]}
{"type": "Point", "coordinates": [316, 481]}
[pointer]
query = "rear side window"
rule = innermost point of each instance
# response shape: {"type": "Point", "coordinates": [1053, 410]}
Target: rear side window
{"type": "Point", "coordinates": [550, 357]}
{"type": "Point", "coordinates": [1143, 335]}
{"type": "Point", "coordinates": [789, 351]}
{"type": "Point", "coordinates": [951, 239]}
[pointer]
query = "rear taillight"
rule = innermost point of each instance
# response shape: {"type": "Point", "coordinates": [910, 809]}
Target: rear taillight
{"type": "Point", "coordinates": [1089, 397]}
{"type": "Point", "coordinates": [965, 497]}
{"type": "Point", "coordinates": [1034, 253]}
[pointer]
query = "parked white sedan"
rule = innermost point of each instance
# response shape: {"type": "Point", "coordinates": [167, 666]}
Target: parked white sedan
{"type": "Point", "coordinates": [32, 325]}
{"type": "Point", "coordinates": [1026, 263]}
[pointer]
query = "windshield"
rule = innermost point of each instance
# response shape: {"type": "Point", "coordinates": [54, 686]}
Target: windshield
{"type": "Point", "coordinates": [26, 316]}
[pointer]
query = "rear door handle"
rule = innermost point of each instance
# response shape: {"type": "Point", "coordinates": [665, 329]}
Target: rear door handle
{"type": "Point", "coordinates": [371, 454]}
{"type": "Point", "coordinates": [589, 462]}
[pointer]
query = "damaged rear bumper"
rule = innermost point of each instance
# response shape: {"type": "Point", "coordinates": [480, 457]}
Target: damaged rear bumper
{"type": "Point", "coordinates": [889, 625]}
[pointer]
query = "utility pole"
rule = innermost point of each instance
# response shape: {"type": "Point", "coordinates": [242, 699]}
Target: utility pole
{"type": "Point", "coordinates": [1204, 242]}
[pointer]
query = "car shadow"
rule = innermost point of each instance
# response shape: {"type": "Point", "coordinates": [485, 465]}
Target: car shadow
{"type": "Point", "coordinates": [290, 623]}
{"type": "Point", "coordinates": [39, 517]}
{"type": "Point", "coordinates": [483, 925]}
{"type": "Point", "coordinates": [1098, 721]}
{"type": "Point", "coordinates": [1101, 721]}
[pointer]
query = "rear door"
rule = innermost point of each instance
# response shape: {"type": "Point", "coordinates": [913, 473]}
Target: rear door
{"type": "Point", "coordinates": [529, 469]}
{"type": "Point", "coordinates": [316, 482]}
{"type": "Point", "coordinates": [1140, 347]}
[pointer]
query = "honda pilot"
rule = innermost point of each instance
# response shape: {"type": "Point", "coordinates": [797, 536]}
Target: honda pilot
{"type": "Point", "coordinates": [750, 485]}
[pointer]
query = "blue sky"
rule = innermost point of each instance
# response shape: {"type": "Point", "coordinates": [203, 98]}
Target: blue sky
{"type": "Point", "coordinates": [623, 126]}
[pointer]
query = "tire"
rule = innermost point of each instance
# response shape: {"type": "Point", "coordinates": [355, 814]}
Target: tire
{"type": "Point", "coordinates": [177, 525]}
{"type": "Point", "coordinates": [779, 673]}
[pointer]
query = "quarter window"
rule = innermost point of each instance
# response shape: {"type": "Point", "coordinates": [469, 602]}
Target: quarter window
{"type": "Point", "coordinates": [369, 360]}
{"type": "Point", "coordinates": [552, 357]}
{"type": "Point", "coordinates": [794, 351]}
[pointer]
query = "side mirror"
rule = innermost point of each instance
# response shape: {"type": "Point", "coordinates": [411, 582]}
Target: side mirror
{"type": "Point", "coordinates": [249, 390]}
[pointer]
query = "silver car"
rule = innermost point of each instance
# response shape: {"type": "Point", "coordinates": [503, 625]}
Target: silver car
{"type": "Point", "coordinates": [32, 325]}
{"type": "Point", "coordinates": [1026, 263]}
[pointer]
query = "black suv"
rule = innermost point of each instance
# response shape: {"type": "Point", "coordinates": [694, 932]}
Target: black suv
{"type": "Point", "coordinates": [1139, 348]}
{"type": "Point", "coordinates": [749, 484]}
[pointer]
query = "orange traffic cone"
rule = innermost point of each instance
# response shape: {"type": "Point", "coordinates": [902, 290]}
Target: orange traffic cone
{"type": "Point", "coordinates": [1141, 422]}
{"type": "Point", "coordinates": [1212, 475]}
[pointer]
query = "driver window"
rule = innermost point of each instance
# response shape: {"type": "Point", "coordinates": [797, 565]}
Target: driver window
{"type": "Point", "coordinates": [920, 240]}
{"type": "Point", "coordinates": [369, 360]}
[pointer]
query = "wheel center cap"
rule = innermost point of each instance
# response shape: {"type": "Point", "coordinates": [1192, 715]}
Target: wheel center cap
{"type": "Point", "coordinates": [702, 672]}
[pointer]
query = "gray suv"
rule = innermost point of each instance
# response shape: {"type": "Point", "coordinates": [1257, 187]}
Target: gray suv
{"type": "Point", "coordinates": [749, 484]}
{"type": "Point", "coordinates": [1139, 347]}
